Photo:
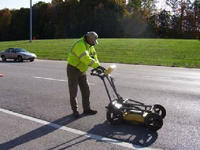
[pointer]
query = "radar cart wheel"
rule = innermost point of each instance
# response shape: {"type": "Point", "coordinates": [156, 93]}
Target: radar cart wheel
{"type": "Point", "coordinates": [153, 121]}
{"type": "Point", "coordinates": [160, 110]}
{"type": "Point", "coordinates": [114, 116]}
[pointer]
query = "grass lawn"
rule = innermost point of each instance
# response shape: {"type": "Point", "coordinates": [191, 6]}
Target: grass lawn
{"type": "Point", "coordinates": [160, 52]}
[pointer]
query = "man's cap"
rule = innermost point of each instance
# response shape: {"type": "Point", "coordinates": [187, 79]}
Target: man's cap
{"type": "Point", "coordinates": [93, 36]}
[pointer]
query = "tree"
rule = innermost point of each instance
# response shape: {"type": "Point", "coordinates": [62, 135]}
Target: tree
{"type": "Point", "coordinates": [41, 19]}
{"type": "Point", "coordinates": [102, 16]}
{"type": "Point", "coordinates": [109, 18]}
{"type": "Point", "coordinates": [196, 7]}
{"type": "Point", "coordinates": [148, 6]}
{"type": "Point", "coordinates": [135, 5]}
{"type": "Point", "coordinates": [19, 28]}
{"type": "Point", "coordinates": [5, 21]}
{"type": "Point", "coordinates": [180, 9]}
{"type": "Point", "coordinates": [163, 24]}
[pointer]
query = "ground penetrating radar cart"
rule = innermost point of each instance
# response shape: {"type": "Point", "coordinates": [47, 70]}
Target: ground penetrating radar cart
{"type": "Point", "coordinates": [129, 110]}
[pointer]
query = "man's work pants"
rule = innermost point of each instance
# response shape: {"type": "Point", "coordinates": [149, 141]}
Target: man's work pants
{"type": "Point", "coordinates": [75, 78]}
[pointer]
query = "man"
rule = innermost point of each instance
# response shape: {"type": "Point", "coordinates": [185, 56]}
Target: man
{"type": "Point", "coordinates": [81, 57]}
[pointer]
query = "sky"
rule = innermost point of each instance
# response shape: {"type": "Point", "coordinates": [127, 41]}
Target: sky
{"type": "Point", "coordinates": [17, 4]}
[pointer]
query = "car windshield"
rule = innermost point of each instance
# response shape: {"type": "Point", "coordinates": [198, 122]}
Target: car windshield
{"type": "Point", "coordinates": [20, 50]}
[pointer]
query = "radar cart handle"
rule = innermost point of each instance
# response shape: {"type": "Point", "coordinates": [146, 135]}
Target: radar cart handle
{"type": "Point", "coordinates": [99, 71]}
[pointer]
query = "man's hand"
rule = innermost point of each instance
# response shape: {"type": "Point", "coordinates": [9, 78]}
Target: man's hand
{"type": "Point", "coordinates": [98, 71]}
{"type": "Point", "coordinates": [101, 68]}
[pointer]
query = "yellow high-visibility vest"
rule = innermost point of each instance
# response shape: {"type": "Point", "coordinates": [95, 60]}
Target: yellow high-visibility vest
{"type": "Point", "coordinates": [83, 56]}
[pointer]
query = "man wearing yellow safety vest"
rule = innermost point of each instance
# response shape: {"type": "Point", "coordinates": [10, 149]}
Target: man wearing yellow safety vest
{"type": "Point", "coordinates": [81, 57]}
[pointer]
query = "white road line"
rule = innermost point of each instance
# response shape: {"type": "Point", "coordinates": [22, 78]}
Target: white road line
{"type": "Point", "coordinates": [79, 132]}
{"type": "Point", "coordinates": [51, 79]}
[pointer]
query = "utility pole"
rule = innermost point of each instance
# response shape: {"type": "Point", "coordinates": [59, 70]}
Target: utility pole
{"type": "Point", "coordinates": [30, 21]}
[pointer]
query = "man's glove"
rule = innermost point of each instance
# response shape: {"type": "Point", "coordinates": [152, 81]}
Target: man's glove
{"type": "Point", "coordinates": [101, 68]}
{"type": "Point", "coordinates": [98, 71]}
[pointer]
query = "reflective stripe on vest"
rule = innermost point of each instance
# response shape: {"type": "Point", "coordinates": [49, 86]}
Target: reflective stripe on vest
{"type": "Point", "coordinates": [92, 62]}
{"type": "Point", "coordinates": [83, 54]}
{"type": "Point", "coordinates": [74, 53]}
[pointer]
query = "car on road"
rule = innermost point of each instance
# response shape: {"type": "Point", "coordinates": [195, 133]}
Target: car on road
{"type": "Point", "coordinates": [18, 54]}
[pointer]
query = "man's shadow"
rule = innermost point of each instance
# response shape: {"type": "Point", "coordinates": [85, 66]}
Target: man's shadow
{"type": "Point", "coordinates": [39, 132]}
{"type": "Point", "coordinates": [136, 135]}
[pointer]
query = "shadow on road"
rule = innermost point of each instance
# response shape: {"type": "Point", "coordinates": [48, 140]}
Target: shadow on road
{"type": "Point", "coordinates": [67, 144]}
{"type": "Point", "coordinates": [136, 135]}
{"type": "Point", "coordinates": [37, 133]}
{"type": "Point", "coordinates": [14, 62]}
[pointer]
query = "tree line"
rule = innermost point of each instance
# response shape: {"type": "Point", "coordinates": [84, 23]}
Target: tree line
{"type": "Point", "coordinates": [109, 18]}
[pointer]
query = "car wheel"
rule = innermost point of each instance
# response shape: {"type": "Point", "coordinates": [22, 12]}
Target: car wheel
{"type": "Point", "coordinates": [20, 58]}
{"type": "Point", "coordinates": [3, 58]}
{"type": "Point", "coordinates": [31, 60]}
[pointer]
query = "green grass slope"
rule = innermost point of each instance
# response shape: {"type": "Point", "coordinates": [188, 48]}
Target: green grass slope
{"type": "Point", "coordinates": [163, 52]}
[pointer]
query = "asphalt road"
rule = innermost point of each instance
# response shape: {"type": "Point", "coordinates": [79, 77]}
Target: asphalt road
{"type": "Point", "coordinates": [39, 90]}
